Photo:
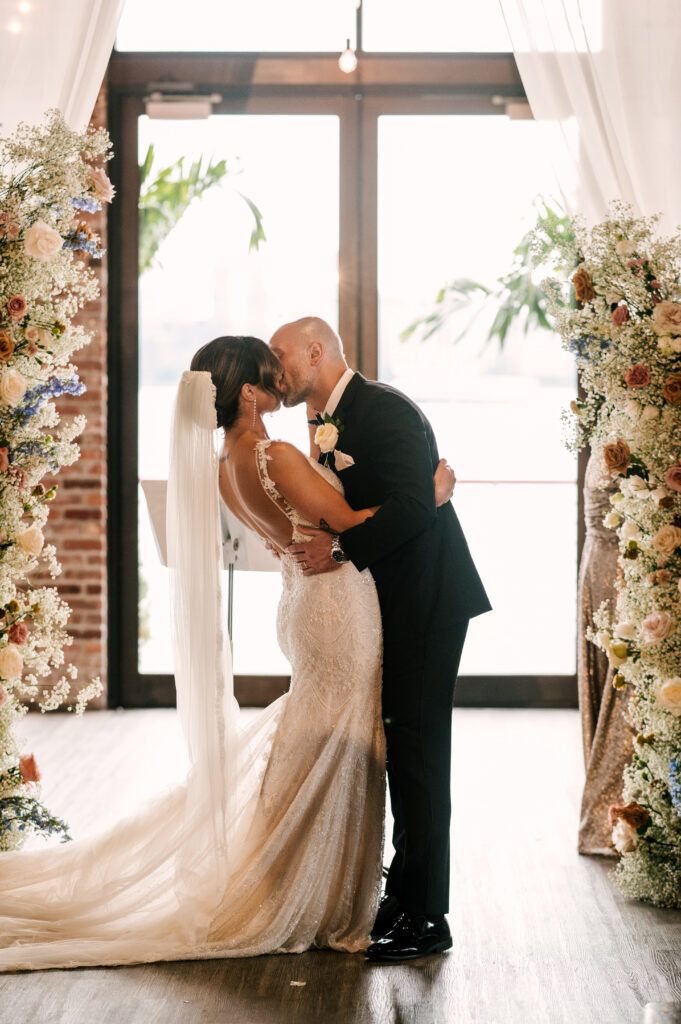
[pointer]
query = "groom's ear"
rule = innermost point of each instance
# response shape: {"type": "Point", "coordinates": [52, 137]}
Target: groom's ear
{"type": "Point", "coordinates": [315, 353]}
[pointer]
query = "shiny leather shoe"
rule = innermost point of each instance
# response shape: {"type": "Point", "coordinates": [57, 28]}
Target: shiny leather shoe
{"type": "Point", "coordinates": [389, 911]}
{"type": "Point", "coordinates": [411, 937]}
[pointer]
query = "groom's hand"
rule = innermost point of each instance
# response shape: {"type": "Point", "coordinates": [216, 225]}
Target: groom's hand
{"type": "Point", "coordinates": [313, 555]}
{"type": "Point", "coordinates": [444, 481]}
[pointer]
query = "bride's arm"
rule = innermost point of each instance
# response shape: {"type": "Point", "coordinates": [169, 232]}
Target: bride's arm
{"type": "Point", "coordinates": [308, 492]}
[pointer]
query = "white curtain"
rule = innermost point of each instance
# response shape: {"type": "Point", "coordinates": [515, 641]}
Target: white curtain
{"type": "Point", "coordinates": [53, 53]}
{"type": "Point", "coordinates": [605, 77]}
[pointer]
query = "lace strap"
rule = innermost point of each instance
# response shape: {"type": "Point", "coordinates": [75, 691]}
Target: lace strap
{"type": "Point", "coordinates": [268, 485]}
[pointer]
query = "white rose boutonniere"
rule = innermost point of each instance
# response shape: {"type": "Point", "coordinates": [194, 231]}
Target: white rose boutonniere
{"type": "Point", "coordinates": [326, 435]}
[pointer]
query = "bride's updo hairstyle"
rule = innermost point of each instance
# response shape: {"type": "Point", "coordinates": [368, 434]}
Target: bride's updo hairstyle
{"type": "Point", "coordinates": [233, 362]}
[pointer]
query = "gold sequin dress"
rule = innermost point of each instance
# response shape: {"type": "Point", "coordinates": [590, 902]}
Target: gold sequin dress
{"type": "Point", "coordinates": [606, 734]}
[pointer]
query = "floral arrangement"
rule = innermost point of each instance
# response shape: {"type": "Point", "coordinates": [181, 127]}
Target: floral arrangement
{"type": "Point", "coordinates": [626, 336]}
{"type": "Point", "coordinates": [49, 177]}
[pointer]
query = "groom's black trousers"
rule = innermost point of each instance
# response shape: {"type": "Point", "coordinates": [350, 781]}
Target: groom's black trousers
{"type": "Point", "coordinates": [418, 691]}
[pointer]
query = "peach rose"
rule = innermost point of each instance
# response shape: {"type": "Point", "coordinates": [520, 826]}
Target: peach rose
{"type": "Point", "coordinates": [672, 477]}
{"type": "Point", "coordinates": [657, 627]}
{"type": "Point", "coordinates": [17, 306]}
{"type": "Point", "coordinates": [671, 389]}
{"type": "Point", "coordinates": [667, 539]}
{"type": "Point", "coordinates": [18, 633]}
{"type": "Point", "coordinates": [104, 190]}
{"type": "Point", "coordinates": [637, 376]}
{"type": "Point", "coordinates": [667, 317]}
{"type": "Point", "coordinates": [28, 768]}
{"type": "Point", "coordinates": [11, 662]}
{"type": "Point", "coordinates": [32, 333]}
{"type": "Point", "coordinates": [624, 837]}
{"type": "Point", "coordinates": [42, 242]}
{"type": "Point", "coordinates": [584, 289]}
{"type": "Point", "coordinates": [31, 540]}
{"type": "Point", "coordinates": [6, 346]}
{"type": "Point", "coordinates": [668, 696]}
{"type": "Point", "coordinates": [625, 248]}
{"type": "Point", "coordinates": [12, 387]}
{"type": "Point", "coordinates": [620, 315]}
{"type": "Point", "coordinates": [634, 815]}
{"type": "Point", "coordinates": [617, 456]}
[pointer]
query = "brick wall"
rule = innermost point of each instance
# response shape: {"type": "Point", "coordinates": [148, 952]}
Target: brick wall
{"type": "Point", "coordinates": [77, 523]}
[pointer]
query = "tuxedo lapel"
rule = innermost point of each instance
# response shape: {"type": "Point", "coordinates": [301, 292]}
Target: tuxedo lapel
{"type": "Point", "coordinates": [343, 409]}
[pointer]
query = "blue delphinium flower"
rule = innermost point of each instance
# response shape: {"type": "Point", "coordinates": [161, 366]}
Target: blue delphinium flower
{"type": "Point", "coordinates": [34, 399]}
{"type": "Point", "coordinates": [583, 347]}
{"type": "Point", "coordinates": [79, 241]}
{"type": "Point", "coordinates": [87, 203]}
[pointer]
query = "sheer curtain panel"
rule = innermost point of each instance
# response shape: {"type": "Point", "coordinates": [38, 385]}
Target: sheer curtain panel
{"type": "Point", "coordinates": [605, 76]}
{"type": "Point", "coordinates": [53, 53]}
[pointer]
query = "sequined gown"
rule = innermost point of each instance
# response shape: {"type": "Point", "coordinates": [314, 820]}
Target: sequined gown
{"type": "Point", "coordinates": [606, 734]}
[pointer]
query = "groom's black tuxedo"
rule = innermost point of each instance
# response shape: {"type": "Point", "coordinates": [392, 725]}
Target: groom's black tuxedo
{"type": "Point", "coordinates": [428, 589]}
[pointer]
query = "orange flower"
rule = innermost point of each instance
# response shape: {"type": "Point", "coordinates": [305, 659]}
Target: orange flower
{"type": "Point", "coordinates": [633, 814]}
{"type": "Point", "coordinates": [671, 389]}
{"type": "Point", "coordinates": [617, 456]}
{"type": "Point", "coordinates": [584, 289]}
{"type": "Point", "coordinates": [6, 346]}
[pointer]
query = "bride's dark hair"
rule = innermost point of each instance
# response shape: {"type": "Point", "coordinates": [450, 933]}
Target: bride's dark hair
{"type": "Point", "coordinates": [233, 362]}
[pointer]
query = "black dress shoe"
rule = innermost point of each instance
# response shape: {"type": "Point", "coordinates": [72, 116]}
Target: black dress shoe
{"type": "Point", "coordinates": [389, 911]}
{"type": "Point", "coordinates": [411, 937]}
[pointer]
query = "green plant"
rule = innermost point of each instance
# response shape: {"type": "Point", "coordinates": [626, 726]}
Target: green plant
{"type": "Point", "coordinates": [165, 198]}
{"type": "Point", "coordinates": [515, 297]}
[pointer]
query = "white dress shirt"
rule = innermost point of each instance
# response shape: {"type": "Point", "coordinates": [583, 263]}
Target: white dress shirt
{"type": "Point", "coordinates": [335, 396]}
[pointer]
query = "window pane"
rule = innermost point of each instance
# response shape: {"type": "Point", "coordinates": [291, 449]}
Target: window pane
{"type": "Point", "coordinates": [435, 25]}
{"type": "Point", "coordinates": [207, 284]}
{"type": "Point", "coordinates": [253, 27]}
{"type": "Point", "coordinates": [469, 183]}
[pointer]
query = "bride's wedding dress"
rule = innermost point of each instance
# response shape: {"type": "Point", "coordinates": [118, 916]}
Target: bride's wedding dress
{"type": "Point", "coordinates": [274, 842]}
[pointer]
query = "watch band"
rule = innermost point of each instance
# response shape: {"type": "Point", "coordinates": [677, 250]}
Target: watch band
{"type": "Point", "coordinates": [337, 552]}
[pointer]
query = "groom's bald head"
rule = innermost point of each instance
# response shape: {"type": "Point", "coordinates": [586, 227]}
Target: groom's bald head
{"type": "Point", "coordinates": [312, 356]}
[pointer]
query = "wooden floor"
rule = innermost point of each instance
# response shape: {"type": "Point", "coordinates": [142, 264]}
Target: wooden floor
{"type": "Point", "coordinates": [540, 935]}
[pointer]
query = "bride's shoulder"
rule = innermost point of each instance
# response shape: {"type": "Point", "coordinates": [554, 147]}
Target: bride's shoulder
{"type": "Point", "coordinates": [281, 455]}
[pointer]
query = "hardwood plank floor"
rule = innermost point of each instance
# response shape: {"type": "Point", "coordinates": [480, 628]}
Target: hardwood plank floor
{"type": "Point", "coordinates": [540, 934]}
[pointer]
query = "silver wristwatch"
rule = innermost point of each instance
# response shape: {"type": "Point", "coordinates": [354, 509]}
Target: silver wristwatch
{"type": "Point", "coordinates": [337, 552]}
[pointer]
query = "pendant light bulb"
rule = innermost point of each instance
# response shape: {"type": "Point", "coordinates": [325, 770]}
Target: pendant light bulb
{"type": "Point", "coordinates": [347, 61]}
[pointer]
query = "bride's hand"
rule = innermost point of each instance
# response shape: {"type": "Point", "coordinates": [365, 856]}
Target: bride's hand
{"type": "Point", "coordinates": [314, 555]}
{"type": "Point", "coordinates": [444, 481]}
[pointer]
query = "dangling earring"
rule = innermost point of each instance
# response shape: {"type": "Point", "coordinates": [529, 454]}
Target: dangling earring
{"type": "Point", "coordinates": [255, 411]}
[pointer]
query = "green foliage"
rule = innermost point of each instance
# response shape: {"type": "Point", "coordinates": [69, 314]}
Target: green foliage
{"type": "Point", "coordinates": [165, 198]}
{"type": "Point", "coordinates": [515, 298]}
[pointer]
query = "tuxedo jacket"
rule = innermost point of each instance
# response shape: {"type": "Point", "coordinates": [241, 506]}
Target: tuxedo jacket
{"type": "Point", "coordinates": [417, 553]}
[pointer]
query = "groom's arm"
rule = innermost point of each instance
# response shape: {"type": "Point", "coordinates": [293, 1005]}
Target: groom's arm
{"type": "Point", "coordinates": [399, 454]}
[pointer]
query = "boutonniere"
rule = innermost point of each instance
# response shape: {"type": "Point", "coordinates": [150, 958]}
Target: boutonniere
{"type": "Point", "coordinates": [326, 435]}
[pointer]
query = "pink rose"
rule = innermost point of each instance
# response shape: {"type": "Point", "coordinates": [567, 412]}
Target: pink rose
{"type": "Point", "coordinates": [28, 768]}
{"type": "Point", "coordinates": [656, 284]}
{"type": "Point", "coordinates": [32, 333]}
{"type": "Point", "coordinates": [4, 217]}
{"type": "Point", "coordinates": [657, 627]}
{"type": "Point", "coordinates": [4, 459]}
{"type": "Point", "coordinates": [18, 633]}
{"type": "Point", "coordinates": [637, 376]}
{"type": "Point", "coordinates": [620, 315]}
{"type": "Point", "coordinates": [4, 696]}
{"type": "Point", "coordinates": [12, 231]}
{"type": "Point", "coordinates": [17, 306]}
{"type": "Point", "coordinates": [104, 190]}
{"type": "Point", "coordinates": [672, 477]}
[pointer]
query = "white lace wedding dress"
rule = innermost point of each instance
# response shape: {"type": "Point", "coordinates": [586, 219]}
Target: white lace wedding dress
{"type": "Point", "coordinates": [274, 842]}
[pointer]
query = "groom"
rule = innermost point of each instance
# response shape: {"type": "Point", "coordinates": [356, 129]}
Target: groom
{"type": "Point", "coordinates": [428, 590]}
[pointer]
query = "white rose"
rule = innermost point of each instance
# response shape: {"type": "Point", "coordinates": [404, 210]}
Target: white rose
{"type": "Point", "coordinates": [664, 346]}
{"type": "Point", "coordinates": [626, 630]}
{"type": "Point", "coordinates": [12, 387]}
{"type": "Point", "coordinates": [31, 540]}
{"type": "Point", "coordinates": [11, 662]}
{"type": "Point", "coordinates": [42, 242]}
{"type": "Point", "coordinates": [612, 520]}
{"type": "Point", "coordinates": [668, 695]}
{"type": "Point", "coordinates": [625, 248]}
{"type": "Point", "coordinates": [632, 409]}
{"type": "Point", "coordinates": [617, 498]}
{"type": "Point", "coordinates": [603, 640]}
{"type": "Point", "coordinates": [630, 531]}
{"type": "Point", "coordinates": [326, 436]}
{"type": "Point", "coordinates": [659, 494]}
{"type": "Point", "coordinates": [657, 627]}
{"type": "Point", "coordinates": [651, 412]}
{"type": "Point", "coordinates": [667, 539]}
{"type": "Point", "coordinates": [624, 837]}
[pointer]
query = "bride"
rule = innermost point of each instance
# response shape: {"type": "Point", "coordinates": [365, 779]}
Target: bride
{"type": "Point", "coordinates": [273, 843]}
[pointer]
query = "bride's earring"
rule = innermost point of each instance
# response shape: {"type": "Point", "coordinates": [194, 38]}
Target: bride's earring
{"type": "Point", "coordinates": [255, 410]}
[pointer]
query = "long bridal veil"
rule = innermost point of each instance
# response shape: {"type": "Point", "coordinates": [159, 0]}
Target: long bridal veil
{"type": "Point", "coordinates": [147, 888]}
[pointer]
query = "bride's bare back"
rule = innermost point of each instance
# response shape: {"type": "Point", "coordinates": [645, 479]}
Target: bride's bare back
{"type": "Point", "coordinates": [298, 483]}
